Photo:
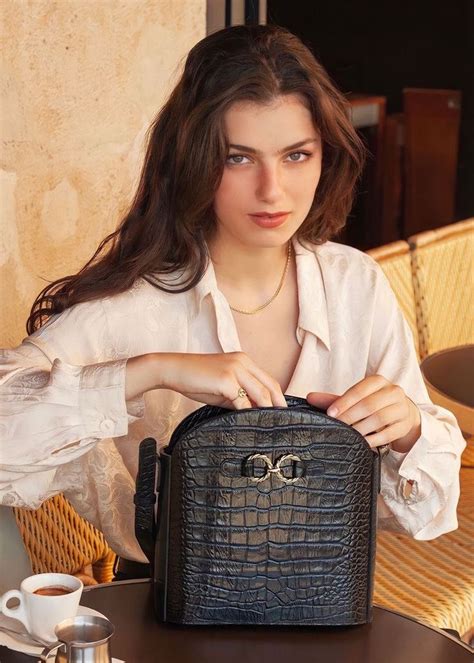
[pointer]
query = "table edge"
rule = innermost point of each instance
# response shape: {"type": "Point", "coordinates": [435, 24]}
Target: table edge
{"type": "Point", "coordinates": [142, 581]}
{"type": "Point", "coordinates": [437, 629]}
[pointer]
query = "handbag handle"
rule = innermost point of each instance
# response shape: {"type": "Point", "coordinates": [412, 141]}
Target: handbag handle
{"type": "Point", "coordinates": [146, 497]}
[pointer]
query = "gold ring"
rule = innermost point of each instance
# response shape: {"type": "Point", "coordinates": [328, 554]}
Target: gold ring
{"type": "Point", "coordinates": [242, 393]}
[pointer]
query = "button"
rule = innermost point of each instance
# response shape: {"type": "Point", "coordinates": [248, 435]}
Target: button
{"type": "Point", "coordinates": [107, 426]}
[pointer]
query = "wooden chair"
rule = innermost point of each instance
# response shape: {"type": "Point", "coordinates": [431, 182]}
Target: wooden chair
{"type": "Point", "coordinates": [392, 193]}
{"type": "Point", "coordinates": [58, 540]}
{"type": "Point", "coordinates": [431, 119]}
{"type": "Point", "coordinates": [420, 154]}
{"type": "Point", "coordinates": [363, 228]}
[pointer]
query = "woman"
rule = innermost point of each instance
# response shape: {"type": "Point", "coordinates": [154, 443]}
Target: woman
{"type": "Point", "coordinates": [221, 286]}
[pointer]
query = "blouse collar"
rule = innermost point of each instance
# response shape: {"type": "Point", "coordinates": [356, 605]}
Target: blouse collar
{"type": "Point", "coordinates": [313, 310]}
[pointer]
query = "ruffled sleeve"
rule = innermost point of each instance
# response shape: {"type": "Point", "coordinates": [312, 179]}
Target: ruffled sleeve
{"type": "Point", "coordinates": [58, 398]}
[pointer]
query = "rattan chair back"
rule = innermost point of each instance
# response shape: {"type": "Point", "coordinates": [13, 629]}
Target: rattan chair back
{"type": "Point", "coordinates": [58, 540]}
{"type": "Point", "coordinates": [395, 261]}
{"type": "Point", "coordinates": [442, 262]}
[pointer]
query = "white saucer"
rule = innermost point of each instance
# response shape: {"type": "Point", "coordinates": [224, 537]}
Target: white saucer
{"type": "Point", "coordinates": [22, 646]}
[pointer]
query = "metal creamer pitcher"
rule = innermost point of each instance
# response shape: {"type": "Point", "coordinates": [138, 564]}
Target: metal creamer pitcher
{"type": "Point", "coordinates": [84, 639]}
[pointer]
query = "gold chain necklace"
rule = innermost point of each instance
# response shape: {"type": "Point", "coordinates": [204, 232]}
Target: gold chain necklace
{"type": "Point", "coordinates": [277, 292]}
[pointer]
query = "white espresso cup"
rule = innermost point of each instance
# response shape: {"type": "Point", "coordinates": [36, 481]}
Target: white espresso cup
{"type": "Point", "coordinates": [41, 613]}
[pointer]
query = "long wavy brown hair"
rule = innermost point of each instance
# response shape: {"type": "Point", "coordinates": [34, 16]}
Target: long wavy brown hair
{"type": "Point", "coordinates": [171, 216]}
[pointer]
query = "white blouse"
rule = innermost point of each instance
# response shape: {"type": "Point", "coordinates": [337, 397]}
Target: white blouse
{"type": "Point", "coordinates": [66, 426]}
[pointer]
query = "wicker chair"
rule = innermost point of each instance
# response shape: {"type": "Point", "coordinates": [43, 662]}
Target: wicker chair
{"type": "Point", "coordinates": [442, 263]}
{"type": "Point", "coordinates": [57, 539]}
{"type": "Point", "coordinates": [395, 261]}
{"type": "Point", "coordinates": [442, 266]}
{"type": "Point", "coordinates": [433, 580]}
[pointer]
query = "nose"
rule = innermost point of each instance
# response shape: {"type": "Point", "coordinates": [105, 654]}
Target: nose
{"type": "Point", "coordinates": [270, 185]}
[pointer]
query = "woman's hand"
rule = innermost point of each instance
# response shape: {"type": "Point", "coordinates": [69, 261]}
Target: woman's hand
{"type": "Point", "coordinates": [214, 379]}
{"type": "Point", "coordinates": [378, 409]}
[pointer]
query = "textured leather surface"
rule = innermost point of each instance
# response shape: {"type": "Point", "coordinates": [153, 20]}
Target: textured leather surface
{"type": "Point", "coordinates": [145, 497]}
{"type": "Point", "coordinates": [263, 542]}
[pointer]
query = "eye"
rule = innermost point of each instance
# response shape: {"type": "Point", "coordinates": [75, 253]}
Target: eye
{"type": "Point", "coordinates": [236, 159]}
{"type": "Point", "coordinates": [296, 157]}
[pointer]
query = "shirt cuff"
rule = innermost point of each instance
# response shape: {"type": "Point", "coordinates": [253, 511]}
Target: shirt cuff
{"type": "Point", "coordinates": [102, 405]}
{"type": "Point", "coordinates": [415, 485]}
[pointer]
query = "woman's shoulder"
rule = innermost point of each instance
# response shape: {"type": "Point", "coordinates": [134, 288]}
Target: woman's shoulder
{"type": "Point", "coordinates": [349, 277]}
{"type": "Point", "coordinates": [127, 313]}
{"type": "Point", "coordinates": [351, 280]}
{"type": "Point", "coordinates": [145, 293]}
{"type": "Point", "coordinates": [342, 259]}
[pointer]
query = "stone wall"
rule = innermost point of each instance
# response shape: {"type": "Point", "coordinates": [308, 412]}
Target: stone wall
{"type": "Point", "coordinates": [82, 80]}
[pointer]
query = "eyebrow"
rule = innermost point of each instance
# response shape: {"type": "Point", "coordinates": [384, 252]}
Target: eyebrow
{"type": "Point", "coordinates": [252, 150]}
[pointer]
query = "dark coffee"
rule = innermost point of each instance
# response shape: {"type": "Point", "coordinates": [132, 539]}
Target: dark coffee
{"type": "Point", "coordinates": [53, 591]}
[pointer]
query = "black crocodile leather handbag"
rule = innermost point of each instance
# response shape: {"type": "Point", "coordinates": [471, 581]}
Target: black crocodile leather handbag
{"type": "Point", "coordinates": [265, 516]}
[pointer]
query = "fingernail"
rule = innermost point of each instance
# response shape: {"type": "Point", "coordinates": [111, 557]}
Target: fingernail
{"type": "Point", "coordinates": [332, 411]}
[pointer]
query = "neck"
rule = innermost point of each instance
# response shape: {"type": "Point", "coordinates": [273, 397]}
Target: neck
{"type": "Point", "coordinates": [249, 277]}
{"type": "Point", "coordinates": [248, 269]}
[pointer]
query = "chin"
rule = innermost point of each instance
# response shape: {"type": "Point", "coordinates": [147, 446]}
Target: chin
{"type": "Point", "coordinates": [268, 242]}
{"type": "Point", "coordinates": [253, 237]}
{"type": "Point", "coordinates": [271, 238]}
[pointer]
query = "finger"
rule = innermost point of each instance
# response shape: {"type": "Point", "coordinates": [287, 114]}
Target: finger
{"type": "Point", "coordinates": [370, 405]}
{"type": "Point", "coordinates": [276, 395]}
{"type": "Point", "coordinates": [230, 388]}
{"type": "Point", "coordinates": [321, 399]}
{"type": "Point", "coordinates": [216, 400]}
{"type": "Point", "coordinates": [387, 435]}
{"type": "Point", "coordinates": [209, 399]}
{"type": "Point", "coordinates": [240, 402]}
{"type": "Point", "coordinates": [356, 393]}
{"type": "Point", "coordinates": [257, 392]}
{"type": "Point", "coordinates": [379, 420]}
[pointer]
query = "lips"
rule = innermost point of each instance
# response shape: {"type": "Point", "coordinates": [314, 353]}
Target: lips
{"type": "Point", "coordinates": [269, 219]}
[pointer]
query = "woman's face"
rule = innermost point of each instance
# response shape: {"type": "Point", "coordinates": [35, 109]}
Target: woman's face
{"type": "Point", "coordinates": [273, 168]}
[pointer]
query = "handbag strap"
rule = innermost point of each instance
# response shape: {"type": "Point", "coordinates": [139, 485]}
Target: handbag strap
{"type": "Point", "coordinates": [146, 495]}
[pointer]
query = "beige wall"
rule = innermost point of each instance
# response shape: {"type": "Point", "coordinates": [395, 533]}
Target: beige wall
{"type": "Point", "coordinates": [82, 80]}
